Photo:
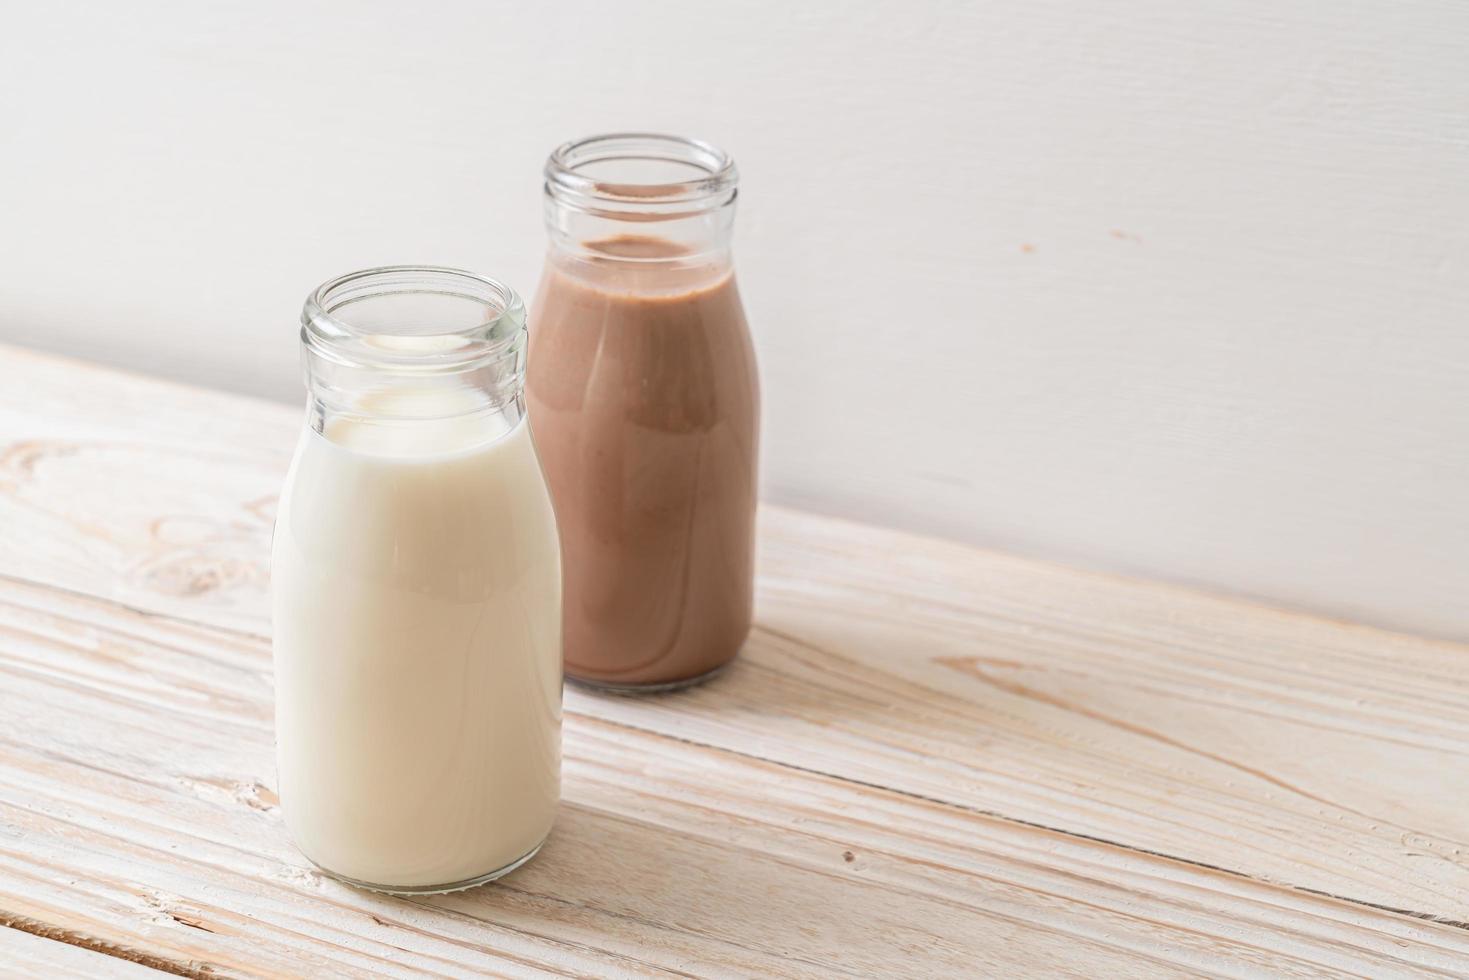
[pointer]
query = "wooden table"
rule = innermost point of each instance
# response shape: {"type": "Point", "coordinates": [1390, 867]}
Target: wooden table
{"type": "Point", "coordinates": [930, 761]}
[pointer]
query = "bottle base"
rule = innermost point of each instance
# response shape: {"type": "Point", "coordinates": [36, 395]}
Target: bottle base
{"type": "Point", "coordinates": [453, 886]}
{"type": "Point", "coordinates": [658, 687]}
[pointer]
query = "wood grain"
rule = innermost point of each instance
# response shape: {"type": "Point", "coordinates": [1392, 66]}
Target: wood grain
{"type": "Point", "coordinates": [136, 803]}
{"type": "Point", "coordinates": [930, 759]}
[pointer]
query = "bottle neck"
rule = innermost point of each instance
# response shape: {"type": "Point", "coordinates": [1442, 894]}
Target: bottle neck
{"type": "Point", "coordinates": [641, 198]}
{"type": "Point", "coordinates": [374, 390]}
{"type": "Point", "coordinates": [412, 404]}
{"type": "Point", "coordinates": [704, 236]}
{"type": "Point", "coordinates": [421, 431]}
{"type": "Point", "coordinates": [407, 346]}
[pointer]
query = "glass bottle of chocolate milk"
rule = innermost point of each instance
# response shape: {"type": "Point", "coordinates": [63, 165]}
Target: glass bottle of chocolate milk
{"type": "Point", "coordinates": [645, 408]}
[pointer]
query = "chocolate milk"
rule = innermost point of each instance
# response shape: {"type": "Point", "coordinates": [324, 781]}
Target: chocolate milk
{"type": "Point", "coordinates": [644, 406]}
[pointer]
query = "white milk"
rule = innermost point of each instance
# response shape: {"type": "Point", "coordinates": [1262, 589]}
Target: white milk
{"type": "Point", "coordinates": [417, 602]}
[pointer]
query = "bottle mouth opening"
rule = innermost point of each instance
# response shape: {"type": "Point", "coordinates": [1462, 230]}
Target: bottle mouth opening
{"type": "Point", "coordinates": [412, 318]}
{"type": "Point", "coordinates": [650, 176]}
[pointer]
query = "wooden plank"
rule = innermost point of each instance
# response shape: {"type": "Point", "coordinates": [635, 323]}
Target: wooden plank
{"type": "Point", "coordinates": [146, 492]}
{"type": "Point", "coordinates": [136, 808]}
{"type": "Point", "coordinates": [23, 954]}
{"type": "Point", "coordinates": [1319, 754]}
{"type": "Point", "coordinates": [1293, 749]}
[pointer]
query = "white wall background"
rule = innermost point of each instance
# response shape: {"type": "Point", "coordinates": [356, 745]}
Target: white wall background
{"type": "Point", "coordinates": [1171, 288]}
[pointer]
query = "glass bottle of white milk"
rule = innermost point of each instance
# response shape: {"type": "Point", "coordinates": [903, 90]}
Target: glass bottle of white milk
{"type": "Point", "coordinates": [416, 583]}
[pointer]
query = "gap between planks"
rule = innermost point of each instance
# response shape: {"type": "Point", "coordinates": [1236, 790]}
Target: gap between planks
{"type": "Point", "coordinates": [102, 947]}
{"type": "Point", "coordinates": [169, 617]}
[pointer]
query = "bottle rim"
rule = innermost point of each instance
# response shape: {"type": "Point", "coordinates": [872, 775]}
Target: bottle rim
{"type": "Point", "coordinates": [651, 176]}
{"type": "Point", "coordinates": [417, 347]}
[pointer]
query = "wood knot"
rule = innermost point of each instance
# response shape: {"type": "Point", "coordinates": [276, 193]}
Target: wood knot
{"type": "Point", "coordinates": [22, 458]}
{"type": "Point", "coordinates": [192, 575]}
